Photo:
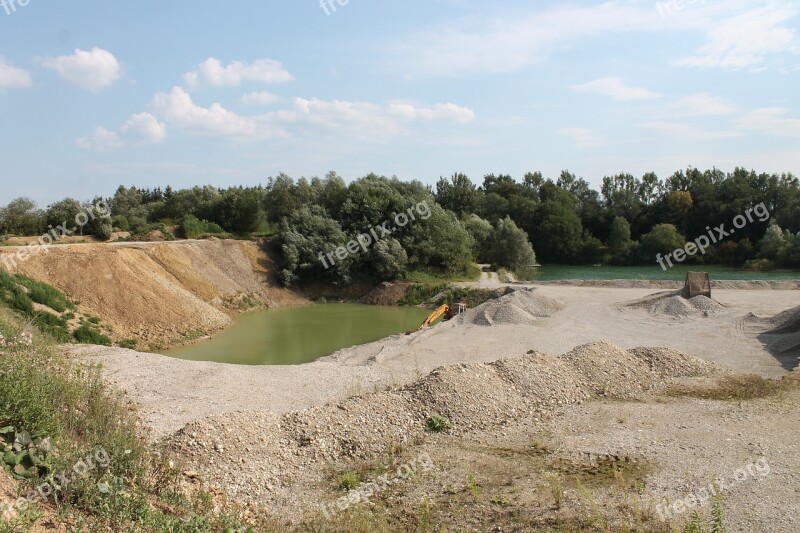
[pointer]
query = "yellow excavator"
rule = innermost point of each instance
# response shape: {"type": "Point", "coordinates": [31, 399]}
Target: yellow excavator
{"type": "Point", "coordinates": [443, 310]}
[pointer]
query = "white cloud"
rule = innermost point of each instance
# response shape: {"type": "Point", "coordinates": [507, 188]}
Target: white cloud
{"type": "Point", "coordinates": [687, 132]}
{"type": "Point", "coordinates": [11, 76]}
{"type": "Point", "coordinates": [261, 98]}
{"type": "Point", "coordinates": [446, 112]}
{"type": "Point", "coordinates": [699, 105]}
{"type": "Point", "coordinates": [101, 139]}
{"type": "Point", "coordinates": [736, 34]}
{"type": "Point", "coordinates": [93, 69]}
{"type": "Point", "coordinates": [748, 40]}
{"type": "Point", "coordinates": [583, 137]}
{"type": "Point", "coordinates": [177, 108]}
{"type": "Point", "coordinates": [140, 128]}
{"type": "Point", "coordinates": [616, 89]}
{"type": "Point", "coordinates": [144, 127]}
{"type": "Point", "coordinates": [307, 117]}
{"type": "Point", "coordinates": [771, 121]}
{"type": "Point", "coordinates": [211, 72]}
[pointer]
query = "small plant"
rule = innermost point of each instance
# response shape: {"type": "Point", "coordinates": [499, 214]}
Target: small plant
{"type": "Point", "coordinates": [24, 457]}
{"type": "Point", "coordinates": [717, 516]}
{"type": "Point", "coordinates": [130, 344]}
{"type": "Point", "coordinates": [472, 487]}
{"type": "Point", "coordinates": [349, 480]}
{"type": "Point", "coordinates": [694, 524]}
{"type": "Point", "coordinates": [556, 490]}
{"type": "Point", "coordinates": [437, 424]}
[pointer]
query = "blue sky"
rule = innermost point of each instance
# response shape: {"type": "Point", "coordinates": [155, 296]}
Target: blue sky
{"type": "Point", "coordinates": [97, 94]}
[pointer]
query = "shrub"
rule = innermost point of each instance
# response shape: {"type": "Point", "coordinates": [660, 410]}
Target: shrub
{"type": "Point", "coordinates": [194, 228]}
{"type": "Point", "coordinates": [437, 424]}
{"type": "Point", "coordinates": [89, 335]}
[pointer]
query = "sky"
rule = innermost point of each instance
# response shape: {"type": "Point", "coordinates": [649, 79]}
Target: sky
{"type": "Point", "coordinates": [95, 94]}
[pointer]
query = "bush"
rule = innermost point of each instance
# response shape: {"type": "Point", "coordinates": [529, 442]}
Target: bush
{"type": "Point", "coordinates": [437, 424]}
{"type": "Point", "coordinates": [88, 335]}
{"type": "Point", "coordinates": [194, 228]}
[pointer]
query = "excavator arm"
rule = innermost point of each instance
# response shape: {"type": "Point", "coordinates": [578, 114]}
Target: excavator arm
{"type": "Point", "coordinates": [441, 310]}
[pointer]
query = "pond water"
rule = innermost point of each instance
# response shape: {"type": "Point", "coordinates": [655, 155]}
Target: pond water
{"type": "Point", "coordinates": [298, 335]}
{"type": "Point", "coordinates": [678, 272]}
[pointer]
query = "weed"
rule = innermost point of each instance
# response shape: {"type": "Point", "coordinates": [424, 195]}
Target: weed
{"type": "Point", "coordinates": [437, 424]}
{"type": "Point", "coordinates": [472, 486]}
{"type": "Point", "coordinates": [349, 480]}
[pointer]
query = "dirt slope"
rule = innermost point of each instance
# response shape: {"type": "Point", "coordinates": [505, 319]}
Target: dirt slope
{"type": "Point", "coordinates": [161, 293]}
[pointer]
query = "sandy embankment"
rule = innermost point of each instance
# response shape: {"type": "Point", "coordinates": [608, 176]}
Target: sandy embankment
{"type": "Point", "coordinates": [172, 392]}
{"type": "Point", "coordinates": [159, 293]}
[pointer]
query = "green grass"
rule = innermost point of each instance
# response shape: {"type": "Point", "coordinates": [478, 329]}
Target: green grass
{"type": "Point", "coordinates": [473, 274]}
{"type": "Point", "coordinates": [135, 489]}
{"type": "Point", "coordinates": [87, 334]}
{"type": "Point", "coordinates": [424, 293]}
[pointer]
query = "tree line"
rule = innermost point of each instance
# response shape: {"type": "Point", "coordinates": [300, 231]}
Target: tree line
{"type": "Point", "coordinates": [499, 221]}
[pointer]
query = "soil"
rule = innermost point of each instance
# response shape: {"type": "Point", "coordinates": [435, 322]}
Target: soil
{"type": "Point", "coordinates": [161, 293]}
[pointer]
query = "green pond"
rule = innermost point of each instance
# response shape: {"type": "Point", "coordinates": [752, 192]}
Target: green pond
{"type": "Point", "coordinates": [678, 272]}
{"type": "Point", "coordinates": [300, 335]}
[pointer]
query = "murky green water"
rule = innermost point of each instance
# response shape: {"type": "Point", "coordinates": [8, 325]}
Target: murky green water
{"type": "Point", "coordinates": [301, 334]}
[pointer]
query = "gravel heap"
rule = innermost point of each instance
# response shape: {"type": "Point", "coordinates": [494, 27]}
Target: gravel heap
{"type": "Point", "coordinates": [671, 363]}
{"type": "Point", "coordinates": [781, 333]}
{"type": "Point", "coordinates": [258, 457]}
{"type": "Point", "coordinates": [675, 304]}
{"type": "Point", "coordinates": [610, 371]}
{"type": "Point", "coordinates": [512, 307]}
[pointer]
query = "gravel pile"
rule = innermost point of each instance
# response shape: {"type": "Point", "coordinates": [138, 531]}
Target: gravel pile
{"type": "Point", "coordinates": [471, 396]}
{"type": "Point", "coordinates": [674, 304]}
{"type": "Point", "coordinates": [781, 333]}
{"type": "Point", "coordinates": [257, 458]}
{"type": "Point", "coordinates": [512, 307]}
{"type": "Point", "coordinates": [674, 364]}
{"type": "Point", "coordinates": [610, 371]}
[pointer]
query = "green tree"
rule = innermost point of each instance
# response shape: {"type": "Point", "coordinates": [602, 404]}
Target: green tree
{"type": "Point", "coordinates": [21, 217]}
{"type": "Point", "coordinates": [458, 194]}
{"type": "Point", "coordinates": [619, 242]}
{"type": "Point", "coordinates": [510, 247]}
{"type": "Point", "coordinates": [65, 213]}
{"type": "Point", "coordinates": [559, 232]}
{"type": "Point", "coordinates": [663, 239]}
{"type": "Point", "coordinates": [481, 231]}
{"type": "Point", "coordinates": [440, 243]}
{"type": "Point", "coordinates": [773, 244]}
{"type": "Point", "coordinates": [239, 210]}
{"type": "Point", "coordinates": [307, 237]}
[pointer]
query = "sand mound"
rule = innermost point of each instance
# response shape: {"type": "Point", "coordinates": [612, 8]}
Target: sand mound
{"type": "Point", "coordinates": [670, 363]}
{"type": "Point", "coordinates": [780, 333]}
{"type": "Point", "coordinates": [610, 371]}
{"type": "Point", "coordinates": [544, 380]}
{"type": "Point", "coordinates": [674, 304]}
{"type": "Point", "coordinates": [512, 307]}
{"type": "Point", "coordinates": [160, 292]}
{"type": "Point", "coordinates": [470, 396]}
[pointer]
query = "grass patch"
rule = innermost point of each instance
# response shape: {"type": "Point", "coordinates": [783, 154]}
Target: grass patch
{"type": "Point", "coordinates": [429, 293]}
{"type": "Point", "coordinates": [87, 334]}
{"type": "Point", "coordinates": [134, 487]}
{"type": "Point", "coordinates": [735, 388]}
